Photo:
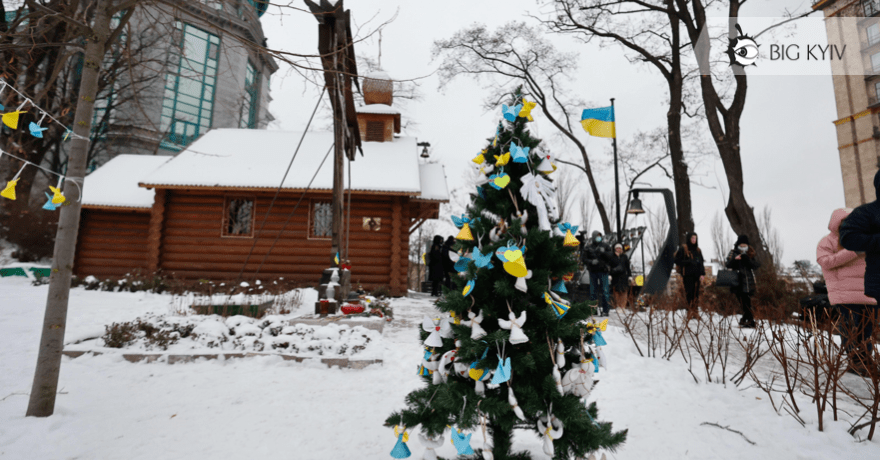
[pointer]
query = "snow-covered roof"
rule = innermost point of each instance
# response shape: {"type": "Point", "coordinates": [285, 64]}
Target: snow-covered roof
{"type": "Point", "coordinates": [377, 108]}
{"type": "Point", "coordinates": [433, 179]}
{"type": "Point", "coordinates": [257, 159]}
{"type": "Point", "coordinates": [377, 75]}
{"type": "Point", "coordinates": [115, 184]}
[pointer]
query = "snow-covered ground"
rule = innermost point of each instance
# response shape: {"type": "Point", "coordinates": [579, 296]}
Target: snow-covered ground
{"type": "Point", "coordinates": [264, 407]}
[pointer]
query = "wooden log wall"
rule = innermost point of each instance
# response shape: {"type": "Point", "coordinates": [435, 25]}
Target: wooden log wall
{"type": "Point", "coordinates": [112, 243]}
{"type": "Point", "coordinates": [192, 246]}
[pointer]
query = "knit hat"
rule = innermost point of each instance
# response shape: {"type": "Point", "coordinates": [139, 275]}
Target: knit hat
{"type": "Point", "coordinates": [595, 234]}
{"type": "Point", "coordinates": [743, 239]}
{"type": "Point", "coordinates": [618, 246]}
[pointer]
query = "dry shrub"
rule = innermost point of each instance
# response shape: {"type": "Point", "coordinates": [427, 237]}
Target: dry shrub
{"type": "Point", "coordinates": [30, 229]}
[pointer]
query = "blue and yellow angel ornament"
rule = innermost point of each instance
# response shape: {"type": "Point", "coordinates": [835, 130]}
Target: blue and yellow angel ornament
{"type": "Point", "coordinates": [400, 449]}
{"type": "Point", "coordinates": [511, 112]}
{"type": "Point", "coordinates": [558, 307]}
{"type": "Point", "coordinates": [463, 223]}
{"type": "Point", "coordinates": [570, 240]}
{"type": "Point", "coordinates": [519, 154]}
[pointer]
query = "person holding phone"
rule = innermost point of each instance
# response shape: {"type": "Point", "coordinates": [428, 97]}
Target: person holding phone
{"type": "Point", "coordinates": [742, 260]}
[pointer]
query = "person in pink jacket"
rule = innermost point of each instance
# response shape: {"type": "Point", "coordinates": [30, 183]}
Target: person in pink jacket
{"type": "Point", "coordinates": [844, 273]}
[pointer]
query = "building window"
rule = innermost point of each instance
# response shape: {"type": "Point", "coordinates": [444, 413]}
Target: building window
{"type": "Point", "coordinates": [251, 99]}
{"type": "Point", "coordinates": [321, 225]}
{"type": "Point", "coordinates": [375, 131]}
{"type": "Point", "coordinates": [871, 7]}
{"type": "Point", "coordinates": [238, 217]}
{"type": "Point", "coordinates": [189, 86]}
{"type": "Point", "coordinates": [873, 32]}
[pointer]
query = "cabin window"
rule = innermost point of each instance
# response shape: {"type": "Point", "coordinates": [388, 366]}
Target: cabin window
{"type": "Point", "coordinates": [321, 220]}
{"type": "Point", "coordinates": [375, 131]}
{"type": "Point", "coordinates": [238, 218]}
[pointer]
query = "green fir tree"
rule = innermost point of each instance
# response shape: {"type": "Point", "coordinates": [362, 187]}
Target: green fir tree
{"type": "Point", "coordinates": [451, 397]}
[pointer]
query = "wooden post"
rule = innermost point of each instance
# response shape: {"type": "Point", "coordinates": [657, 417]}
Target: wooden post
{"type": "Point", "coordinates": [396, 222]}
{"type": "Point", "coordinates": [45, 386]}
{"type": "Point", "coordinates": [154, 238]}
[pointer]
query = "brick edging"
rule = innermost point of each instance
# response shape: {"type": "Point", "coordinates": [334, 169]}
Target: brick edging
{"type": "Point", "coordinates": [172, 359]}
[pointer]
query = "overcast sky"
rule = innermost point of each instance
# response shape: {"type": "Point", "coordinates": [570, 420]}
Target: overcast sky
{"type": "Point", "coordinates": [789, 152]}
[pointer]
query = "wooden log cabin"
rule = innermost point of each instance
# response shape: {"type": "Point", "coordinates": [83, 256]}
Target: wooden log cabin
{"type": "Point", "coordinates": [211, 206]}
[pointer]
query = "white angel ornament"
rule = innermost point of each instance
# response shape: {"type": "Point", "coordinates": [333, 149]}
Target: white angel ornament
{"type": "Point", "coordinates": [560, 354]}
{"type": "Point", "coordinates": [438, 328]}
{"type": "Point", "coordinates": [551, 429]}
{"type": "Point", "coordinates": [523, 217]}
{"type": "Point", "coordinates": [511, 399]}
{"type": "Point", "coordinates": [477, 331]}
{"type": "Point", "coordinates": [539, 192]}
{"type": "Point", "coordinates": [430, 444]}
{"type": "Point", "coordinates": [579, 380]}
{"type": "Point", "coordinates": [514, 325]}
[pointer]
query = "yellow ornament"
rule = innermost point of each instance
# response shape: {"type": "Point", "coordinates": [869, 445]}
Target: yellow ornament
{"type": "Point", "coordinates": [465, 233]}
{"type": "Point", "coordinates": [513, 256]}
{"type": "Point", "coordinates": [501, 160]}
{"type": "Point", "coordinates": [481, 158]}
{"type": "Point", "coordinates": [397, 431]}
{"type": "Point", "coordinates": [603, 325]}
{"type": "Point", "coordinates": [57, 196]}
{"type": "Point", "coordinates": [526, 111]}
{"type": "Point", "coordinates": [517, 268]}
{"type": "Point", "coordinates": [9, 191]}
{"type": "Point", "coordinates": [570, 240]}
{"type": "Point", "coordinates": [501, 181]}
{"type": "Point", "coordinates": [11, 119]}
{"type": "Point", "coordinates": [476, 373]}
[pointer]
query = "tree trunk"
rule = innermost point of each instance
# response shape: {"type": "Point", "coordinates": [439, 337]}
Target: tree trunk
{"type": "Point", "coordinates": [680, 177]}
{"type": "Point", "coordinates": [42, 397]}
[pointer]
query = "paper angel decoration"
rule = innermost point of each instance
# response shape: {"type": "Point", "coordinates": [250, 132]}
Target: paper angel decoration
{"type": "Point", "coordinates": [479, 375]}
{"type": "Point", "coordinates": [49, 206]}
{"type": "Point", "coordinates": [546, 166]}
{"type": "Point", "coordinates": [540, 193]}
{"type": "Point", "coordinates": [601, 360]}
{"type": "Point", "coordinates": [438, 328]}
{"type": "Point", "coordinates": [502, 372]}
{"type": "Point", "coordinates": [514, 325]}
{"type": "Point", "coordinates": [526, 111]}
{"type": "Point", "coordinates": [57, 196]}
{"type": "Point", "coordinates": [579, 380]}
{"type": "Point", "coordinates": [560, 287]}
{"type": "Point", "coordinates": [499, 181]}
{"type": "Point", "coordinates": [481, 158]}
{"type": "Point", "coordinates": [485, 171]}
{"type": "Point", "coordinates": [469, 287]}
{"type": "Point", "coordinates": [550, 428]}
{"type": "Point", "coordinates": [463, 223]}
{"type": "Point", "coordinates": [501, 160]}
{"type": "Point", "coordinates": [9, 191]}
{"type": "Point", "coordinates": [557, 379]}
{"type": "Point", "coordinates": [11, 118]}
{"type": "Point", "coordinates": [36, 130]}
{"type": "Point", "coordinates": [513, 260]}
{"type": "Point", "coordinates": [430, 444]}
{"type": "Point", "coordinates": [523, 217]}
{"type": "Point", "coordinates": [514, 404]}
{"type": "Point", "coordinates": [442, 372]}
{"type": "Point", "coordinates": [520, 284]}
{"type": "Point", "coordinates": [598, 340]}
{"type": "Point", "coordinates": [569, 240]}
{"type": "Point", "coordinates": [510, 113]}
{"type": "Point", "coordinates": [519, 154]}
{"type": "Point", "coordinates": [400, 449]}
{"type": "Point", "coordinates": [558, 307]}
{"type": "Point", "coordinates": [461, 442]}
{"type": "Point", "coordinates": [477, 331]}
{"type": "Point", "coordinates": [560, 353]}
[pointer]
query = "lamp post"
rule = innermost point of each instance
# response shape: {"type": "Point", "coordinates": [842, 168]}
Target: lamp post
{"type": "Point", "coordinates": [662, 268]}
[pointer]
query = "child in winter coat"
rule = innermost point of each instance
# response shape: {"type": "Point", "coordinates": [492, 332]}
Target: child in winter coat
{"type": "Point", "coordinates": [844, 273]}
{"type": "Point", "coordinates": [742, 260]}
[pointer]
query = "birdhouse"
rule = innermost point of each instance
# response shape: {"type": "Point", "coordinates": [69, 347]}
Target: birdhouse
{"type": "Point", "coordinates": [378, 88]}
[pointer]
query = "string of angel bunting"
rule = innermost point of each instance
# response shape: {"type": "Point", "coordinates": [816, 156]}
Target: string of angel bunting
{"type": "Point", "coordinates": [54, 200]}
{"type": "Point", "coordinates": [36, 129]}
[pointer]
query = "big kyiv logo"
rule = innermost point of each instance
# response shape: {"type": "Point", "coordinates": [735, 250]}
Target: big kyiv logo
{"type": "Point", "coordinates": [742, 50]}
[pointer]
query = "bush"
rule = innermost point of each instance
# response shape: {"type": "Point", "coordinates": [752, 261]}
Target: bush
{"type": "Point", "coordinates": [381, 291]}
{"type": "Point", "coordinates": [120, 335]}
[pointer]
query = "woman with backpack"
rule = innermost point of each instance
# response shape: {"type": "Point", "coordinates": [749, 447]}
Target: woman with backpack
{"type": "Point", "coordinates": [689, 259]}
{"type": "Point", "coordinates": [844, 273]}
{"type": "Point", "coordinates": [742, 260]}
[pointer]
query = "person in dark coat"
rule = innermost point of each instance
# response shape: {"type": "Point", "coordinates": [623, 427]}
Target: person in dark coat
{"type": "Point", "coordinates": [860, 232]}
{"type": "Point", "coordinates": [620, 275]}
{"type": "Point", "coordinates": [435, 265]}
{"type": "Point", "coordinates": [742, 260]}
{"type": "Point", "coordinates": [597, 258]}
{"type": "Point", "coordinates": [448, 264]}
{"type": "Point", "coordinates": [689, 259]}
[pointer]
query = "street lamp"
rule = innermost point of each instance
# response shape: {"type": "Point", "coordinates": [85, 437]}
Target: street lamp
{"type": "Point", "coordinates": [661, 270]}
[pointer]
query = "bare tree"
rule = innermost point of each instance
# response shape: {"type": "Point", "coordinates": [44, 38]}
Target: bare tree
{"type": "Point", "coordinates": [658, 228]}
{"type": "Point", "coordinates": [770, 236]}
{"type": "Point", "coordinates": [721, 239]}
{"type": "Point", "coordinates": [566, 186]}
{"type": "Point", "coordinates": [517, 53]}
{"type": "Point", "coordinates": [587, 213]}
{"type": "Point", "coordinates": [650, 32]}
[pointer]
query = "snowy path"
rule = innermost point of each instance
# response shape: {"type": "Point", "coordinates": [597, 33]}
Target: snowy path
{"type": "Point", "coordinates": [268, 408]}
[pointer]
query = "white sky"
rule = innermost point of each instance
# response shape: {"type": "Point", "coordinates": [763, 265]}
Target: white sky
{"type": "Point", "coordinates": [789, 148]}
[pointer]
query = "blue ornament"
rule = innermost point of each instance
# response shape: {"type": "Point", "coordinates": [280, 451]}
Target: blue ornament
{"type": "Point", "coordinates": [462, 442]}
{"type": "Point", "coordinates": [462, 264]}
{"type": "Point", "coordinates": [482, 260]}
{"type": "Point", "coordinates": [36, 130]}
{"type": "Point", "coordinates": [502, 372]}
{"type": "Point", "coordinates": [598, 340]}
{"type": "Point", "coordinates": [560, 287]}
{"type": "Point", "coordinates": [400, 449]}
{"type": "Point", "coordinates": [510, 113]}
{"type": "Point", "coordinates": [49, 206]}
{"type": "Point", "coordinates": [519, 154]}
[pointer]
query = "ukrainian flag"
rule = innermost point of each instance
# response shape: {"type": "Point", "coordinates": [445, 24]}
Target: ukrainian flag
{"type": "Point", "coordinates": [599, 122]}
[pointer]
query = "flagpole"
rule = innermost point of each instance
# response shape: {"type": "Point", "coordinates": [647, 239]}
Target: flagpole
{"type": "Point", "coordinates": [616, 176]}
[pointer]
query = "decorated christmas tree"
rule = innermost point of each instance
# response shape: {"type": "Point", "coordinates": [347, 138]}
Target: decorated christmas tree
{"type": "Point", "coordinates": [505, 350]}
